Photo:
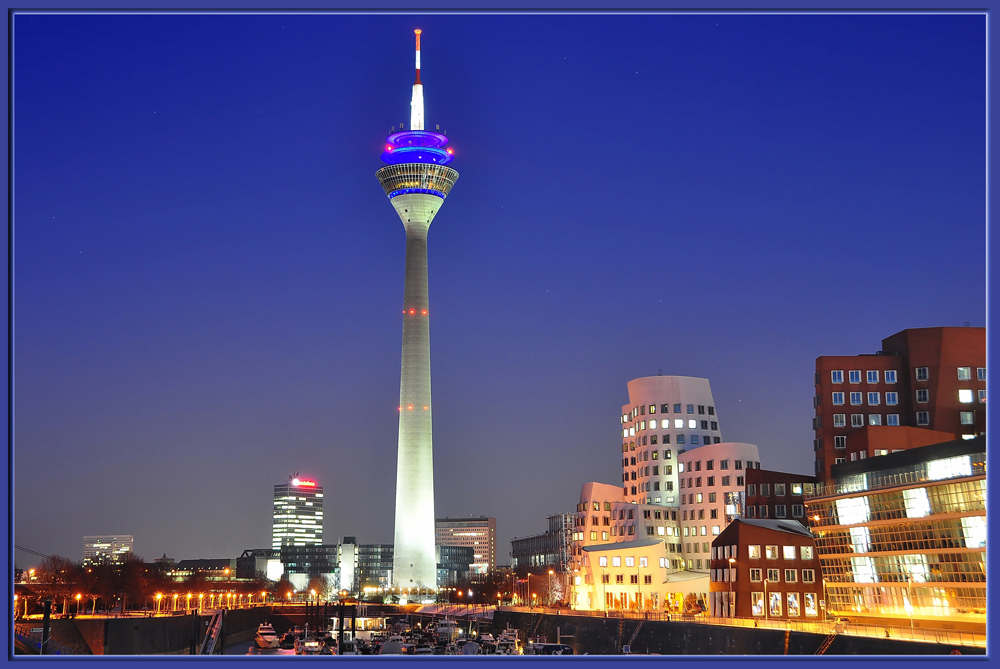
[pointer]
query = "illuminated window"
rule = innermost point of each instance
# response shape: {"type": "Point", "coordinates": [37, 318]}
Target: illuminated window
{"type": "Point", "coordinates": [965, 396]}
{"type": "Point", "coordinates": [715, 529]}
{"type": "Point", "coordinates": [603, 561]}
{"type": "Point", "coordinates": [923, 418]}
{"type": "Point", "coordinates": [753, 552]}
{"type": "Point", "coordinates": [837, 376]}
{"type": "Point", "coordinates": [855, 398]}
{"type": "Point", "coordinates": [838, 398]}
{"type": "Point", "coordinates": [678, 423]}
{"type": "Point", "coordinates": [964, 373]}
{"type": "Point", "coordinates": [692, 424]}
{"type": "Point", "coordinates": [854, 376]}
{"type": "Point", "coordinates": [872, 376]}
{"type": "Point", "coordinates": [966, 417]}
{"type": "Point", "coordinates": [652, 425]}
{"type": "Point", "coordinates": [771, 553]}
{"type": "Point", "coordinates": [593, 536]}
{"type": "Point", "coordinates": [616, 561]}
{"type": "Point", "coordinates": [874, 419]}
{"type": "Point", "coordinates": [699, 496]}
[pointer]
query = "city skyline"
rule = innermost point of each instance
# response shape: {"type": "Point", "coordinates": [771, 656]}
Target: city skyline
{"type": "Point", "coordinates": [205, 299]}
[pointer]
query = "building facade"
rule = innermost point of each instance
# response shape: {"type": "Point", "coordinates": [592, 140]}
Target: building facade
{"type": "Point", "coordinates": [477, 532]}
{"type": "Point", "coordinates": [298, 514]}
{"type": "Point", "coordinates": [712, 483]}
{"type": "Point", "coordinates": [260, 561]}
{"type": "Point", "coordinates": [765, 568]}
{"type": "Point", "coordinates": [777, 495]}
{"type": "Point", "coordinates": [550, 550]}
{"type": "Point", "coordinates": [905, 534]}
{"type": "Point", "coordinates": [665, 414]}
{"type": "Point", "coordinates": [106, 548]}
{"type": "Point", "coordinates": [929, 378]}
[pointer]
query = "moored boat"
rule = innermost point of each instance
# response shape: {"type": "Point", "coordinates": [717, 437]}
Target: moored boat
{"type": "Point", "coordinates": [266, 636]}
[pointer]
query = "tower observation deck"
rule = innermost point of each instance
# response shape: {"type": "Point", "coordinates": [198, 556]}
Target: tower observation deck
{"type": "Point", "coordinates": [416, 180]}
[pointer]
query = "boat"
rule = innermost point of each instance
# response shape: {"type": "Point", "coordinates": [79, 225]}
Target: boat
{"type": "Point", "coordinates": [508, 643]}
{"type": "Point", "coordinates": [266, 636]}
{"type": "Point", "coordinates": [308, 644]}
{"type": "Point", "coordinates": [447, 630]}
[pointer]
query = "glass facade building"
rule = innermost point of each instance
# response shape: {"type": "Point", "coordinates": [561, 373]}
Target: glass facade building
{"type": "Point", "coordinates": [298, 514]}
{"type": "Point", "coordinates": [904, 534]}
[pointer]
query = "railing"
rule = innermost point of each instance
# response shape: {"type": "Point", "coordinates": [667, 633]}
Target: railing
{"type": "Point", "coordinates": [954, 637]}
{"type": "Point", "coordinates": [23, 633]}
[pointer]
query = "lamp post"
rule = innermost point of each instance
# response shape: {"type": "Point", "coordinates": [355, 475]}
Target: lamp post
{"type": "Point", "coordinates": [527, 590]}
{"type": "Point", "coordinates": [551, 572]}
{"type": "Point", "coordinates": [78, 604]}
{"type": "Point", "coordinates": [604, 589]}
{"type": "Point", "coordinates": [732, 604]}
{"type": "Point", "coordinates": [158, 598]}
{"type": "Point", "coordinates": [767, 604]}
{"type": "Point", "coordinates": [909, 601]}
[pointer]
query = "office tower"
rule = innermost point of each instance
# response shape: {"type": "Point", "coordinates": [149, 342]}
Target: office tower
{"type": "Point", "coordinates": [665, 414]}
{"type": "Point", "coordinates": [479, 532]}
{"type": "Point", "coordinates": [904, 535]}
{"type": "Point", "coordinates": [416, 181]}
{"type": "Point", "coordinates": [106, 548]}
{"type": "Point", "coordinates": [298, 514]}
{"type": "Point", "coordinates": [551, 550]}
{"type": "Point", "coordinates": [928, 378]}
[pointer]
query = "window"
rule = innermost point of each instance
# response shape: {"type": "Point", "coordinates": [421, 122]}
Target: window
{"type": "Point", "coordinates": [872, 376]}
{"type": "Point", "coordinates": [837, 376]}
{"type": "Point", "coordinates": [890, 376]}
{"type": "Point", "coordinates": [715, 426]}
{"type": "Point", "coordinates": [838, 398]}
{"type": "Point", "coordinates": [711, 498]}
{"type": "Point", "coordinates": [839, 420]}
{"type": "Point", "coordinates": [779, 489]}
{"type": "Point", "coordinates": [796, 488]}
{"type": "Point", "coordinates": [892, 419]}
{"type": "Point", "coordinates": [982, 396]}
{"type": "Point", "coordinates": [647, 579]}
{"type": "Point", "coordinates": [966, 417]}
{"type": "Point", "coordinates": [838, 461]}
{"type": "Point", "coordinates": [701, 409]}
{"type": "Point", "coordinates": [752, 490]}
{"type": "Point", "coordinates": [788, 552]}
{"type": "Point", "coordinates": [797, 511]}
{"type": "Point", "coordinates": [873, 398]}
{"type": "Point", "coordinates": [604, 536]}
{"type": "Point", "coordinates": [765, 489]}
{"type": "Point", "coordinates": [753, 552]}
{"type": "Point", "coordinates": [808, 575]}
{"type": "Point", "coordinates": [855, 398]}
{"type": "Point", "coordinates": [620, 579]}
{"type": "Point", "coordinates": [793, 604]}
{"type": "Point", "coordinates": [806, 552]}
{"type": "Point", "coordinates": [694, 440]}
{"type": "Point", "coordinates": [692, 424]}
{"type": "Point", "coordinates": [980, 373]}
{"type": "Point", "coordinates": [891, 399]}
{"type": "Point", "coordinates": [755, 575]}
{"type": "Point", "coordinates": [874, 419]}
{"type": "Point", "coordinates": [791, 576]}
{"type": "Point", "coordinates": [739, 481]}
{"type": "Point", "coordinates": [690, 408]}
{"type": "Point", "coordinates": [964, 373]}
{"type": "Point", "coordinates": [857, 420]}
{"type": "Point", "coordinates": [723, 464]}
{"type": "Point", "coordinates": [725, 481]}
{"type": "Point", "coordinates": [881, 451]}
{"type": "Point", "coordinates": [677, 408]}
{"type": "Point", "coordinates": [771, 553]}
{"type": "Point", "coordinates": [697, 497]}
{"type": "Point", "coordinates": [922, 395]}
{"type": "Point", "coordinates": [773, 576]}
{"type": "Point", "coordinates": [603, 561]}
{"type": "Point", "coordinates": [921, 373]}
{"type": "Point", "coordinates": [593, 536]}
{"type": "Point", "coordinates": [697, 482]}
{"type": "Point", "coordinates": [965, 396]}
{"type": "Point", "coordinates": [715, 528]}
{"type": "Point", "coordinates": [923, 418]}
{"type": "Point", "coordinates": [711, 481]}
{"type": "Point", "coordinates": [779, 510]}
{"type": "Point", "coordinates": [854, 376]}
{"type": "Point", "coordinates": [630, 562]}
{"type": "Point", "coordinates": [739, 464]}
{"type": "Point", "coordinates": [757, 603]}
{"type": "Point", "coordinates": [704, 530]}
{"type": "Point", "coordinates": [762, 511]}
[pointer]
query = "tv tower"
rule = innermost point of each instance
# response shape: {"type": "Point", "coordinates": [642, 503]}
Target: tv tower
{"type": "Point", "coordinates": [417, 181]}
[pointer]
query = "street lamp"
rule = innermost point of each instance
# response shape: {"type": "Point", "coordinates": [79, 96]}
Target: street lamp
{"type": "Point", "coordinates": [78, 604]}
{"type": "Point", "coordinates": [909, 601]}
{"type": "Point", "coordinates": [732, 604]}
{"type": "Point", "coordinates": [158, 597]}
{"type": "Point", "coordinates": [175, 602]}
{"type": "Point", "coordinates": [527, 590]}
{"type": "Point", "coordinates": [188, 607]}
{"type": "Point", "coordinates": [550, 586]}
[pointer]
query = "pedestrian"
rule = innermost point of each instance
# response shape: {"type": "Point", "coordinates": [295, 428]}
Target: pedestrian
{"type": "Point", "coordinates": [886, 632]}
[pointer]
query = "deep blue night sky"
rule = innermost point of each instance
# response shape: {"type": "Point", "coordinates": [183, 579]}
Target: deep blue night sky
{"type": "Point", "coordinates": [209, 279]}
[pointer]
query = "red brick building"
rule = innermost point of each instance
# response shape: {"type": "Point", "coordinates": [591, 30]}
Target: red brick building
{"type": "Point", "coordinates": [926, 378]}
{"type": "Point", "coordinates": [765, 569]}
{"type": "Point", "coordinates": [776, 495]}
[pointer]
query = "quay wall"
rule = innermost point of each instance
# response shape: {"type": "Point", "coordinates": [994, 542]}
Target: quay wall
{"type": "Point", "coordinates": [606, 636]}
{"type": "Point", "coordinates": [163, 635]}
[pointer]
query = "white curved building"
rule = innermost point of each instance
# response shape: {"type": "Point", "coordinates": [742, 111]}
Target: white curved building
{"type": "Point", "coordinates": [711, 486]}
{"type": "Point", "coordinates": [665, 415]}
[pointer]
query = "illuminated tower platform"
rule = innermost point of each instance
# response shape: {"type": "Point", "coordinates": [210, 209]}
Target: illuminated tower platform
{"type": "Point", "coordinates": [417, 181]}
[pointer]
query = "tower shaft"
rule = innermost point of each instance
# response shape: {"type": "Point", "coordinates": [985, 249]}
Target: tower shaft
{"type": "Point", "coordinates": [414, 564]}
